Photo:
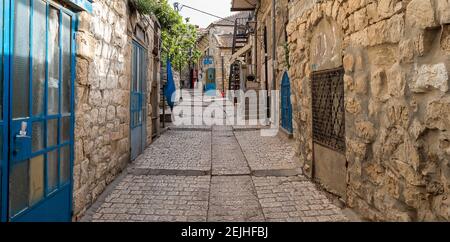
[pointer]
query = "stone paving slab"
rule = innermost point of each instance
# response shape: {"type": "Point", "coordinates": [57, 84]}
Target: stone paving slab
{"type": "Point", "coordinates": [202, 173]}
{"type": "Point", "coordinates": [249, 127]}
{"type": "Point", "coordinates": [215, 199]}
{"type": "Point", "coordinates": [295, 199]}
{"type": "Point", "coordinates": [156, 198]}
{"type": "Point", "coordinates": [222, 128]}
{"type": "Point", "coordinates": [227, 157]}
{"type": "Point", "coordinates": [177, 150]}
{"type": "Point", "coordinates": [267, 153]}
{"type": "Point", "coordinates": [233, 199]}
{"type": "Point", "coordinates": [190, 128]}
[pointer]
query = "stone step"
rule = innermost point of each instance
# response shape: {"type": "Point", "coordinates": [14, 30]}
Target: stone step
{"type": "Point", "coordinates": [167, 172]}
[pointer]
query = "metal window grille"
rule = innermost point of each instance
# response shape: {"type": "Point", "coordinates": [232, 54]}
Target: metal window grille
{"type": "Point", "coordinates": [328, 109]}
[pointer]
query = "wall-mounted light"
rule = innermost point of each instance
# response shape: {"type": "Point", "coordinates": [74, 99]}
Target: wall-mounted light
{"type": "Point", "coordinates": [252, 26]}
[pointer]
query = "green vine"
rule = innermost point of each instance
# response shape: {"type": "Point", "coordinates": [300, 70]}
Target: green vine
{"type": "Point", "coordinates": [143, 6]}
{"type": "Point", "coordinates": [287, 55]}
{"type": "Point", "coordinates": [178, 35]}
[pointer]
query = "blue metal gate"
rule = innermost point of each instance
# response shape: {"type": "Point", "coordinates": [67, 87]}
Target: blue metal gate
{"type": "Point", "coordinates": [37, 122]}
{"type": "Point", "coordinates": [286, 105]}
{"type": "Point", "coordinates": [138, 100]}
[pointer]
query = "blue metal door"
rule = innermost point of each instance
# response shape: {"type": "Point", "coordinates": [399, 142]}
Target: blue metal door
{"type": "Point", "coordinates": [3, 122]}
{"type": "Point", "coordinates": [210, 80]}
{"type": "Point", "coordinates": [286, 105]}
{"type": "Point", "coordinates": [39, 72]}
{"type": "Point", "coordinates": [138, 100]}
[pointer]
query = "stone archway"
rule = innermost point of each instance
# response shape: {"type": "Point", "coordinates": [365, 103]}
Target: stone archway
{"type": "Point", "coordinates": [328, 112]}
{"type": "Point", "coordinates": [326, 46]}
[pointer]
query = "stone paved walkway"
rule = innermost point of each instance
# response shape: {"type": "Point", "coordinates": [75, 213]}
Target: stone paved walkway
{"type": "Point", "coordinates": [227, 158]}
{"type": "Point", "coordinates": [176, 152]}
{"type": "Point", "coordinates": [219, 173]}
{"type": "Point", "coordinates": [267, 153]}
{"type": "Point", "coordinates": [234, 198]}
{"type": "Point", "coordinates": [156, 198]}
{"type": "Point", "coordinates": [294, 199]}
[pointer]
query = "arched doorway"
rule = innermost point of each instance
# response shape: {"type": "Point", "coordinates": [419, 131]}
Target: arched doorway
{"type": "Point", "coordinates": [328, 112]}
{"type": "Point", "coordinates": [286, 105]}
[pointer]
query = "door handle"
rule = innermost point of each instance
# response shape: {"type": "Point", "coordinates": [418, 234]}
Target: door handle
{"type": "Point", "coordinates": [23, 136]}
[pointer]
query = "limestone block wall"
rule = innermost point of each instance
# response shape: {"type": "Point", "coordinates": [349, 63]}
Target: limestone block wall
{"type": "Point", "coordinates": [226, 52]}
{"type": "Point", "coordinates": [102, 96]}
{"type": "Point", "coordinates": [264, 19]}
{"type": "Point", "coordinates": [226, 66]}
{"type": "Point", "coordinates": [215, 50]}
{"type": "Point", "coordinates": [153, 73]}
{"type": "Point", "coordinates": [396, 56]}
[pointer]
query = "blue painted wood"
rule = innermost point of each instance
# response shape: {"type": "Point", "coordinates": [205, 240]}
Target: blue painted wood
{"type": "Point", "coordinates": [56, 204]}
{"type": "Point", "coordinates": [80, 5]}
{"type": "Point", "coordinates": [46, 191]}
{"type": "Point", "coordinates": [286, 105]}
{"type": "Point", "coordinates": [210, 87]}
{"type": "Point", "coordinates": [3, 121]}
{"type": "Point", "coordinates": [211, 75]}
{"type": "Point", "coordinates": [210, 80]}
{"type": "Point", "coordinates": [59, 93]}
{"type": "Point", "coordinates": [72, 107]}
{"type": "Point", "coordinates": [10, 42]}
{"type": "Point", "coordinates": [53, 209]}
{"type": "Point", "coordinates": [137, 98]}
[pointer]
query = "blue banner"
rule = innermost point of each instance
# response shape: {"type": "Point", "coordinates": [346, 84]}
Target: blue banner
{"type": "Point", "coordinates": [208, 60]}
{"type": "Point", "coordinates": [170, 86]}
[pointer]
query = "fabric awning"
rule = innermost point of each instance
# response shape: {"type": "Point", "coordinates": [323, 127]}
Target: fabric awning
{"type": "Point", "coordinates": [243, 5]}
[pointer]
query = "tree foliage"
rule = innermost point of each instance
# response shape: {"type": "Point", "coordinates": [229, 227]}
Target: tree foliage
{"type": "Point", "coordinates": [178, 35]}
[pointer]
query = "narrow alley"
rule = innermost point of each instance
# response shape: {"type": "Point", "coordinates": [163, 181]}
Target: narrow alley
{"type": "Point", "coordinates": [224, 111]}
{"type": "Point", "coordinates": [216, 173]}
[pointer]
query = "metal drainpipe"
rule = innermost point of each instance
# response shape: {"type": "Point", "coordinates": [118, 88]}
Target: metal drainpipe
{"type": "Point", "coordinates": [274, 52]}
{"type": "Point", "coordinates": [223, 73]}
{"type": "Point", "coordinates": [255, 61]}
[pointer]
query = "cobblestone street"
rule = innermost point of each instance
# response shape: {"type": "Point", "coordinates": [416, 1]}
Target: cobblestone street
{"type": "Point", "coordinates": [224, 111]}
{"type": "Point", "coordinates": [218, 173]}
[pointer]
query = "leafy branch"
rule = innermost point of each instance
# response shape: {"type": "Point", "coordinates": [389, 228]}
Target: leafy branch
{"type": "Point", "coordinates": [287, 55]}
{"type": "Point", "coordinates": [178, 35]}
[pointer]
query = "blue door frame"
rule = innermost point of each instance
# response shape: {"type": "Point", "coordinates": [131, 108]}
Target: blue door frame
{"type": "Point", "coordinates": [138, 99]}
{"type": "Point", "coordinates": [37, 156]}
{"type": "Point", "coordinates": [286, 105]}
{"type": "Point", "coordinates": [4, 110]}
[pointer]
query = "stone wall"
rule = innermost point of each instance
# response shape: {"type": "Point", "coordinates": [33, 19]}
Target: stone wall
{"type": "Point", "coordinates": [212, 47]}
{"type": "Point", "coordinates": [222, 82]}
{"type": "Point", "coordinates": [216, 50]}
{"type": "Point", "coordinates": [264, 19]}
{"type": "Point", "coordinates": [103, 74]}
{"type": "Point", "coordinates": [396, 58]}
{"type": "Point", "coordinates": [227, 52]}
{"type": "Point", "coordinates": [153, 74]}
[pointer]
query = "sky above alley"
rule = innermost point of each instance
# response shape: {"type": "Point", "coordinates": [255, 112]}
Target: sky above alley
{"type": "Point", "coordinates": [220, 8]}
